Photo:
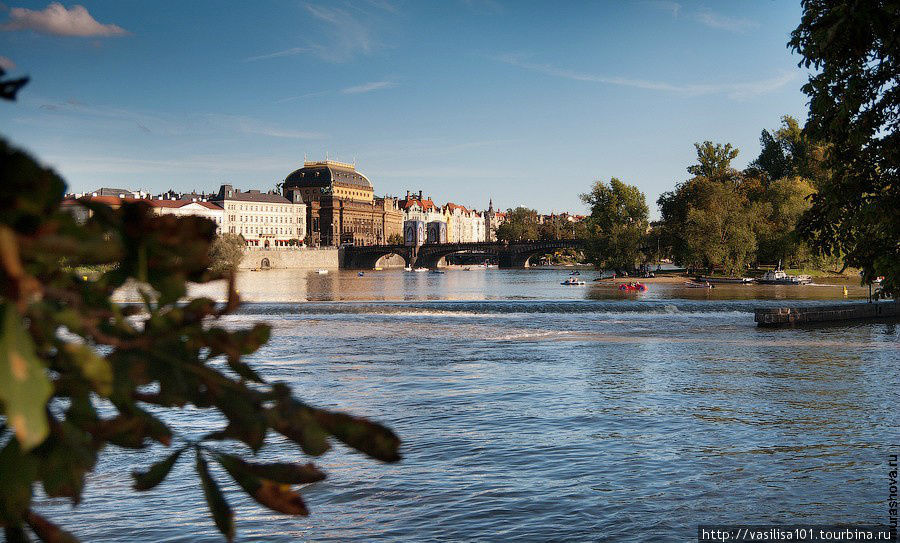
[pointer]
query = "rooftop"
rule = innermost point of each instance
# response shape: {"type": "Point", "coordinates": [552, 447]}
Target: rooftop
{"type": "Point", "coordinates": [323, 173]}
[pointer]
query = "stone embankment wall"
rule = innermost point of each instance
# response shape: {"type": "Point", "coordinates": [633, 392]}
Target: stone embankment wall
{"type": "Point", "coordinates": [289, 258]}
{"type": "Point", "coordinates": [840, 312]}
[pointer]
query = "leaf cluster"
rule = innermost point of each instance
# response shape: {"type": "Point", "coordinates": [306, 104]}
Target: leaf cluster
{"type": "Point", "coordinates": [66, 348]}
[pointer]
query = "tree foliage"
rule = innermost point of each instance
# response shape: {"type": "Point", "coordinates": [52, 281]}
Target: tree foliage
{"type": "Point", "coordinates": [521, 224]}
{"type": "Point", "coordinates": [66, 348]}
{"type": "Point", "coordinates": [853, 48]}
{"type": "Point", "coordinates": [226, 253]}
{"type": "Point", "coordinates": [617, 226]}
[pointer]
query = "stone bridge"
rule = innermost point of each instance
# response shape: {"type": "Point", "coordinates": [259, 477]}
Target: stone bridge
{"type": "Point", "coordinates": [509, 255]}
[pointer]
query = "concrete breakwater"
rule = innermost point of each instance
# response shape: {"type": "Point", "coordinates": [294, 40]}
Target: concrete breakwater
{"type": "Point", "coordinates": [255, 259]}
{"type": "Point", "coordinates": [780, 316]}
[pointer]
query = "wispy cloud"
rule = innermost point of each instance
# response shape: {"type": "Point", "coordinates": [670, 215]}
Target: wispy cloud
{"type": "Point", "coordinates": [277, 54]}
{"type": "Point", "coordinates": [369, 87]}
{"type": "Point", "coordinates": [734, 90]}
{"type": "Point", "coordinates": [56, 20]}
{"type": "Point", "coordinates": [170, 125]}
{"type": "Point", "coordinates": [673, 8]}
{"type": "Point", "coordinates": [724, 22]}
{"type": "Point", "coordinates": [7, 64]}
{"type": "Point", "coordinates": [346, 35]}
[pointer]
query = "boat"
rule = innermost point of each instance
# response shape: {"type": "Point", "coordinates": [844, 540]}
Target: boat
{"type": "Point", "coordinates": [421, 269]}
{"type": "Point", "coordinates": [726, 280]}
{"type": "Point", "coordinates": [576, 272]}
{"type": "Point", "coordinates": [322, 272]}
{"type": "Point", "coordinates": [378, 268]}
{"type": "Point", "coordinates": [572, 281]}
{"type": "Point", "coordinates": [467, 269]}
{"type": "Point", "coordinates": [408, 268]}
{"type": "Point", "coordinates": [637, 287]}
{"type": "Point", "coordinates": [697, 284]}
{"type": "Point", "coordinates": [360, 274]}
{"type": "Point", "coordinates": [436, 271]}
{"type": "Point", "coordinates": [778, 277]}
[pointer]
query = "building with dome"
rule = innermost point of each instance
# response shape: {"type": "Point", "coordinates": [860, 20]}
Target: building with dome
{"type": "Point", "coordinates": [341, 205]}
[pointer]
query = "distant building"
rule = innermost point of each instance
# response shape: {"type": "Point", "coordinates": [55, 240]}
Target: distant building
{"type": "Point", "coordinates": [182, 208]}
{"type": "Point", "coordinates": [463, 225]}
{"type": "Point", "coordinates": [264, 219]}
{"type": "Point", "coordinates": [342, 205]}
{"type": "Point", "coordinates": [417, 208]}
{"type": "Point", "coordinates": [492, 221]}
{"type": "Point", "coordinates": [118, 193]}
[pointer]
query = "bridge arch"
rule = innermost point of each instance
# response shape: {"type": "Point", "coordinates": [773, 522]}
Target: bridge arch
{"type": "Point", "coordinates": [367, 257]}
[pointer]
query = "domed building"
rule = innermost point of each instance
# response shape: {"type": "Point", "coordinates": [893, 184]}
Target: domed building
{"type": "Point", "coordinates": [341, 205]}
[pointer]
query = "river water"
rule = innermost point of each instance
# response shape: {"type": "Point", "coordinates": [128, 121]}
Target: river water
{"type": "Point", "coordinates": [532, 411]}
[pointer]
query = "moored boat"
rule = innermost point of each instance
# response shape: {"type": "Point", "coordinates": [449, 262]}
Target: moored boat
{"type": "Point", "coordinates": [778, 277]}
{"type": "Point", "coordinates": [726, 280]}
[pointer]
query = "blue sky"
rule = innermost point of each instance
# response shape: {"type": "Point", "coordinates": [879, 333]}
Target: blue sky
{"type": "Point", "coordinates": [525, 102]}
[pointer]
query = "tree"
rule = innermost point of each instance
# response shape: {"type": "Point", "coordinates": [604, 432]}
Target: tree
{"type": "Point", "coordinates": [714, 161]}
{"type": "Point", "coordinates": [395, 239]}
{"type": "Point", "coordinates": [852, 47]}
{"type": "Point", "coordinates": [521, 224]}
{"type": "Point", "coordinates": [720, 230]}
{"type": "Point", "coordinates": [617, 226]}
{"type": "Point", "coordinates": [226, 253]}
{"type": "Point", "coordinates": [166, 353]}
{"type": "Point", "coordinates": [787, 151]}
{"type": "Point", "coordinates": [785, 202]}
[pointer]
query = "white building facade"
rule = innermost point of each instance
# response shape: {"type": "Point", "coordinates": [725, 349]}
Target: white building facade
{"type": "Point", "coordinates": [264, 219]}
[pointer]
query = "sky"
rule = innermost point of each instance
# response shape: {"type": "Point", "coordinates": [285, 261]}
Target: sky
{"type": "Point", "coordinates": [527, 103]}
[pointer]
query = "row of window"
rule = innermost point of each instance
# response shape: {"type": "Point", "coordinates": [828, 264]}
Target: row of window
{"type": "Point", "coordinates": [276, 208]}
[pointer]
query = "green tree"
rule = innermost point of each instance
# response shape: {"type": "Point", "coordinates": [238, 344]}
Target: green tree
{"type": "Point", "coordinates": [786, 200]}
{"type": "Point", "coordinates": [714, 161]}
{"type": "Point", "coordinates": [787, 152]}
{"type": "Point", "coordinates": [521, 224]}
{"type": "Point", "coordinates": [853, 50]}
{"type": "Point", "coordinates": [226, 253]}
{"type": "Point", "coordinates": [719, 230]}
{"type": "Point", "coordinates": [137, 361]}
{"type": "Point", "coordinates": [617, 226]}
{"type": "Point", "coordinates": [395, 239]}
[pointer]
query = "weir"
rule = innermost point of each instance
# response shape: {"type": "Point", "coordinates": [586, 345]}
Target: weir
{"type": "Point", "coordinates": [785, 316]}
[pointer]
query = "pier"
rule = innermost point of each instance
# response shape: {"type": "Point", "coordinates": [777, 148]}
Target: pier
{"type": "Point", "coordinates": [786, 316]}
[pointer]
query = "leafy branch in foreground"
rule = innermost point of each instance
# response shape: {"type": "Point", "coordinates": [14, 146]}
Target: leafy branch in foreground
{"type": "Point", "coordinates": [66, 349]}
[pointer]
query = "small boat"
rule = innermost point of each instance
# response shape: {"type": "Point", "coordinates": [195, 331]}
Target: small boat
{"type": "Point", "coordinates": [467, 269]}
{"type": "Point", "coordinates": [696, 284]}
{"type": "Point", "coordinates": [408, 268]}
{"type": "Point", "coordinates": [571, 281]}
{"type": "Point", "coordinates": [378, 268]}
{"type": "Point", "coordinates": [360, 274]}
{"type": "Point", "coordinates": [421, 269]}
{"type": "Point", "coordinates": [576, 272]}
{"type": "Point", "coordinates": [728, 280]}
{"type": "Point", "coordinates": [778, 277]}
{"type": "Point", "coordinates": [322, 272]}
{"type": "Point", "coordinates": [436, 271]}
{"type": "Point", "coordinates": [636, 287]}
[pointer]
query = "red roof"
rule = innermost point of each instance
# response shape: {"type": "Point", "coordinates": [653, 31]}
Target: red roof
{"type": "Point", "coordinates": [424, 204]}
{"type": "Point", "coordinates": [453, 207]}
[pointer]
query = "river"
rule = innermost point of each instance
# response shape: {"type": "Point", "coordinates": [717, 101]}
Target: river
{"type": "Point", "coordinates": [532, 411]}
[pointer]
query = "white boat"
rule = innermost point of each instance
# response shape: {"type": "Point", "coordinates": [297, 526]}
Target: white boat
{"type": "Point", "coordinates": [778, 277]}
{"type": "Point", "coordinates": [726, 280]}
{"type": "Point", "coordinates": [322, 272]}
{"type": "Point", "coordinates": [421, 269]}
{"type": "Point", "coordinates": [408, 268]}
{"type": "Point", "coordinates": [571, 281]}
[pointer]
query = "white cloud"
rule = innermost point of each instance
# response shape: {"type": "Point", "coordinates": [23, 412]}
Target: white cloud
{"type": "Point", "coordinates": [55, 19]}
{"type": "Point", "coordinates": [284, 53]}
{"type": "Point", "coordinates": [7, 64]}
{"type": "Point", "coordinates": [347, 36]}
{"type": "Point", "coordinates": [724, 22]}
{"type": "Point", "coordinates": [369, 87]}
{"type": "Point", "coordinates": [734, 90]}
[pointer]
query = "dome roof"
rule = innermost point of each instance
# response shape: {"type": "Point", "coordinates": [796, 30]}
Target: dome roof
{"type": "Point", "coordinates": [324, 174]}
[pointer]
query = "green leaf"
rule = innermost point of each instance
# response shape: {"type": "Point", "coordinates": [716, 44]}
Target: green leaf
{"type": "Point", "coordinates": [17, 472]}
{"type": "Point", "coordinates": [361, 434]}
{"type": "Point", "coordinates": [276, 496]}
{"type": "Point", "coordinates": [94, 367]}
{"type": "Point", "coordinates": [65, 459]}
{"type": "Point", "coordinates": [145, 480]}
{"type": "Point", "coordinates": [47, 531]}
{"type": "Point", "coordinates": [24, 387]}
{"type": "Point", "coordinates": [280, 472]}
{"type": "Point", "coordinates": [221, 512]}
{"type": "Point", "coordinates": [15, 534]}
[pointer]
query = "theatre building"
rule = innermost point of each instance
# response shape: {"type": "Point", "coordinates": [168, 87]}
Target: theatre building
{"type": "Point", "coordinates": [341, 205]}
